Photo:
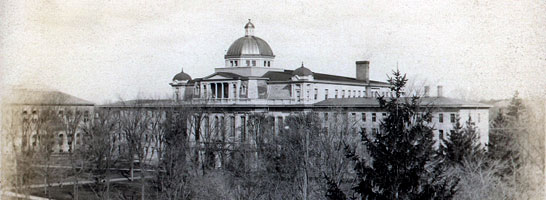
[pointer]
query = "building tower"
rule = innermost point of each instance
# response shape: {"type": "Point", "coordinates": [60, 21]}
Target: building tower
{"type": "Point", "coordinates": [249, 51]}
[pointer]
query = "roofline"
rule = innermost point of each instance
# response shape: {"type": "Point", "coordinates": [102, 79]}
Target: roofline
{"type": "Point", "coordinates": [174, 105]}
{"type": "Point", "coordinates": [248, 56]}
{"type": "Point", "coordinates": [40, 104]}
{"type": "Point", "coordinates": [330, 82]}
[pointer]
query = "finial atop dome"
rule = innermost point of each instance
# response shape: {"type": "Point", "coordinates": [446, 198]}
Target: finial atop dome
{"type": "Point", "coordinates": [302, 64]}
{"type": "Point", "coordinates": [249, 28]}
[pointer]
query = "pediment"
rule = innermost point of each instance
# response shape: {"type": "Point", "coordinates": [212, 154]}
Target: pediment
{"type": "Point", "coordinates": [217, 77]}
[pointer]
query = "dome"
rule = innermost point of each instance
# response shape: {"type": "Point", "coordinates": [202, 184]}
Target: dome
{"type": "Point", "coordinates": [251, 46]}
{"type": "Point", "coordinates": [182, 76]}
{"type": "Point", "coordinates": [302, 71]}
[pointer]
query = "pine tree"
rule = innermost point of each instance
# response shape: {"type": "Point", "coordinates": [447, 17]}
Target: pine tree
{"type": "Point", "coordinates": [503, 135]}
{"type": "Point", "coordinates": [334, 192]}
{"type": "Point", "coordinates": [515, 109]}
{"type": "Point", "coordinates": [461, 143]}
{"type": "Point", "coordinates": [403, 164]}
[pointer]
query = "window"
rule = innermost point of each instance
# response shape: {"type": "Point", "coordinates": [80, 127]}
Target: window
{"type": "Point", "coordinates": [207, 125]}
{"type": "Point", "coordinates": [374, 130]}
{"type": "Point", "coordinates": [336, 94]}
{"type": "Point", "coordinates": [308, 94]}
{"type": "Point", "coordinates": [216, 126]}
{"type": "Point", "coordinates": [86, 116]}
{"type": "Point", "coordinates": [253, 63]}
{"type": "Point", "coordinates": [342, 93]}
{"type": "Point", "coordinates": [265, 63]}
{"type": "Point", "coordinates": [384, 115]}
{"type": "Point", "coordinates": [243, 128]}
{"type": "Point", "coordinates": [363, 117]}
{"type": "Point", "coordinates": [353, 115]}
{"type": "Point", "coordinates": [232, 131]}
{"type": "Point", "coordinates": [231, 63]}
{"type": "Point", "coordinates": [280, 123]}
{"type": "Point", "coordinates": [452, 118]}
{"type": "Point", "coordinates": [236, 63]}
{"type": "Point", "coordinates": [269, 63]}
{"type": "Point", "coordinates": [247, 62]}
{"type": "Point", "coordinates": [326, 94]}
{"type": "Point", "coordinates": [374, 117]}
{"type": "Point", "coordinates": [441, 118]}
{"type": "Point", "coordinates": [316, 93]}
{"type": "Point", "coordinates": [363, 130]}
{"type": "Point", "coordinates": [325, 116]}
{"type": "Point", "coordinates": [441, 133]}
{"type": "Point", "coordinates": [234, 90]}
{"type": "Point", "coordinates": [298, 96]}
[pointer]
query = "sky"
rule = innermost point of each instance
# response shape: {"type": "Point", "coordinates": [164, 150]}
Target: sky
{"type": "Point", "coordinates": [103, 51]}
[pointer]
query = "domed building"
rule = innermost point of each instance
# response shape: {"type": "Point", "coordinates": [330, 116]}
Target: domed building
{"type": "Point", "coordinates": [249, 77]}
{"type": "Point", "coordinates": [250, 83]}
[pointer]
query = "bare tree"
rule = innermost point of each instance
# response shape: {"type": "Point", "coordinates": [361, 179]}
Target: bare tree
{"type": "Point", "coordinates": [134, 126]}
{"type": "Point", "coordinates": [99, 150]}
{"type": "Point", "coordinates": [47, 126]}
{"type": "Point", "coordinates": [172, 174]}
{"type": "Point", "coordinates": [17, 158]}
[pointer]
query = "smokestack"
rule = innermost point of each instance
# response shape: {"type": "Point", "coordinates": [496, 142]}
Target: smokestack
{"type": "Point", "coordinates": [427, 91]}
{"type": "Point", "coordinates": [440, 91]}
{"type": "Point", "coordinates": [363, 71]}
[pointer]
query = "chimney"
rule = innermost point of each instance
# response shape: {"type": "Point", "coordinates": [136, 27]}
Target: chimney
{"type": "Point", "coordinates": [427, 91]}
{"type": "Point", "coordinates": [440, 91]}
{"type": "Point", "coordinates": [363, 71]}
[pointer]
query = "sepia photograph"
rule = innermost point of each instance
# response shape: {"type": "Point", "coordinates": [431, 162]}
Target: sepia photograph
{"type": "Point", "coordinates": [306, 100]}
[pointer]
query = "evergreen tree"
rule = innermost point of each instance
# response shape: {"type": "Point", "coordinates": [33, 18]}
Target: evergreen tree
{"type": "Point", "coordinates": [403, 164]}
{"type": "Point", "coordinates": [515, 109]}
{"type": "Point", "coordinates": [503, 135]}
{"type": "Point", "coordinates": [461, 143]}
{"type": "Point", "coordinates": [334, 192]}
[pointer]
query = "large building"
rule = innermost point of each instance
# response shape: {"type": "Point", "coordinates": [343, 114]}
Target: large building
{"type": "Point", "coordinates": [250, 77]}
{"type": "Point", "coordinates": [249, 82]}
{"type": "Point", "coordinates": [30, 115]}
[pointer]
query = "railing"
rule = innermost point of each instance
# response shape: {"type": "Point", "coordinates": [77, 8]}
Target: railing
{"type": "Point", "coordinates": [227, 101]}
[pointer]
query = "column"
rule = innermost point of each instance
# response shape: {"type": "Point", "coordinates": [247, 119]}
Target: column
{"type": "Point", "coordinates": [222, 86]}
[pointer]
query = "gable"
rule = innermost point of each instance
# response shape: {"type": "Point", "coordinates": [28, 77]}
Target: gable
{"type": "Point", "coordinates": [216, 77]}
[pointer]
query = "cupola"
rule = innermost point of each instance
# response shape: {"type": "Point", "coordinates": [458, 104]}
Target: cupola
{"type": "Point", "coordinates": [249, 51]}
